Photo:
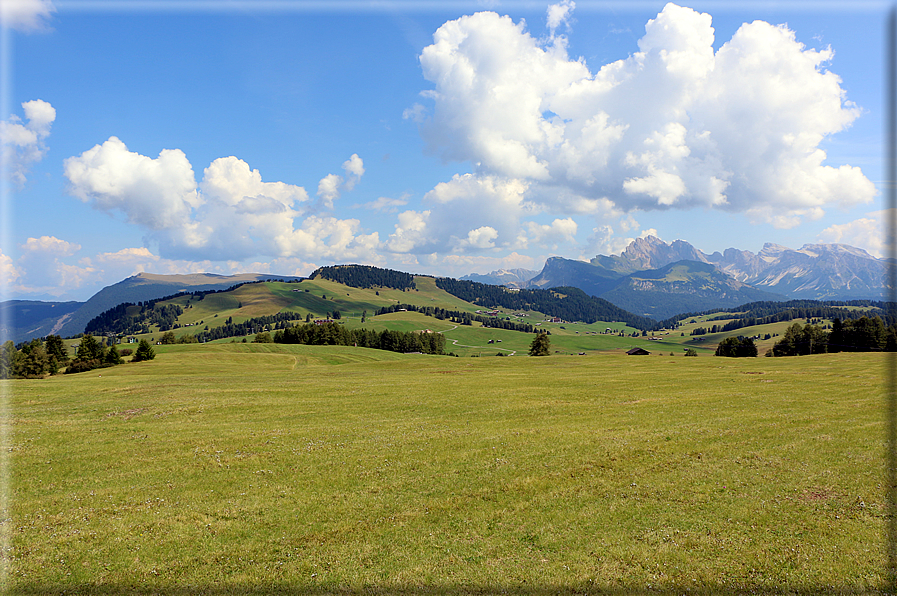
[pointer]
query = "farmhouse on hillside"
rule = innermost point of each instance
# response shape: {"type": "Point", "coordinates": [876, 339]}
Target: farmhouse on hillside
{"type": "Point", "coordinates": [638, 352]}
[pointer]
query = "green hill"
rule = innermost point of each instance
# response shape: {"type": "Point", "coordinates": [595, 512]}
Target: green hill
{"type": "Point", "coordinates": [149, 286]}
{"type": "Point", "coordinates": [491, 320]}
{"type": "Point", "coordinates": [469, 329]}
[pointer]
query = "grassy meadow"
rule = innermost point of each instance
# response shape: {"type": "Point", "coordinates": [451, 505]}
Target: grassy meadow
{"type": "Point", "coordinates": [258, 468]}
{"type": "Point", "coordinates": [319, 297]}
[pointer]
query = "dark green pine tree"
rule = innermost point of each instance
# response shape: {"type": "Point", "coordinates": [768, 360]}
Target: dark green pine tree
{"type": "Point", "coordinates": [112, 356]}
{"type": "Point", "coordinates": [90, 349]}
{"type": "Point", "coordinates": [144, 352]}
{"type": "Point", "coordinates": [541, 345]}
{"type": "Point", "coordinates": [33, 362]}
{"type": "Point", "coordinates": [8, 357]}
{"type": "Point", "coordinates": [56, 349]}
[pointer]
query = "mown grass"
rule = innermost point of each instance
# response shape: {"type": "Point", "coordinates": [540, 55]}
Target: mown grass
{"type": "Point", "coordinates": [257, 468]}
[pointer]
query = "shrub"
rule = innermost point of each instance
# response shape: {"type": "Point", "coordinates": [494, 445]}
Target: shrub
{"type": "Point", "coordinates": [263, 338]}
{"type": "Point", "coordinates": [82, 366]}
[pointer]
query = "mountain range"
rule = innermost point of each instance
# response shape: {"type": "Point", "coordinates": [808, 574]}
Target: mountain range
{"type": "Point", "coordinates": [813, 272]}
{"type": "Point", "coordinates": [657, 279]}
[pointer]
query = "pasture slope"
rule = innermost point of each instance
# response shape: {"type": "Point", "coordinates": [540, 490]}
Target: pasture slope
{"type": "Point", "coordinates": [258, 469]}
{"type": "Point", "coordinates": [319, 297]}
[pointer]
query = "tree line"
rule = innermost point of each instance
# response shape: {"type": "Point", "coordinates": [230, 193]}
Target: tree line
{"type": "Point", "coordinates": [38, 358]}
{"type": "Point", "coordinates": [365, 276]}
{"type": "Point", "coordinates": [866, 334]}
{"type": "Point", "coordinates": [334, 334]}
{"type": "Point", "coordinates": [768, 311]}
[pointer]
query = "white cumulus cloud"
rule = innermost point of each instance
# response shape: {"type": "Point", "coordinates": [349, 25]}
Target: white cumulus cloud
{"type": "Point", "coordinates": [328, 189]}
{"type": "Point", "coordinates": [559, 14]}
{"type": "Point", "coordinates": [155, 193]}
{"type": "Point", "coordinates": [331, 185]}
{"type": "Point", "coordinates": [868, 233]}
{"type": "Point", "coordinates": [354, 169]}
{"type": "Point", "coordinates": [674, 125]}
{"type": "Point", "coordinates": [41, 267]}
{"type": "Point", "coordinates": [482, 237]}
{"type": "Point", "coordinates": [23, 144]}
{"type": "Point", "coordinates": [8, 271]}
{"type": "Point", "coordinates": [557, 232]}
{"type": "Point", "coordinates": [232, 215]}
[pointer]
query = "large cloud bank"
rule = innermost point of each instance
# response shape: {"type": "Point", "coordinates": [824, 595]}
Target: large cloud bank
{"type": "Point", "coordinates": [231, 215]}
{"type": "Point", "coordinates": [674, 125]}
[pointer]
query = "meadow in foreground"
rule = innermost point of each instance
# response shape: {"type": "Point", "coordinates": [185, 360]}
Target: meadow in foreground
{"type": "Point", "coordinates": [259, 468]}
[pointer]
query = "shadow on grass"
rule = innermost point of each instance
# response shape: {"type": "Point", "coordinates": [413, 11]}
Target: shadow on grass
{"type": "Point", "coordinates": [437, 590]}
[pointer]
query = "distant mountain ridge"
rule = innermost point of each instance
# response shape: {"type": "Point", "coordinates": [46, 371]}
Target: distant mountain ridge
{"type": "Point", "coordinates": [25, 319]}
{"type": "Point", "coordinates": [72, 319]}
{"type": "Point", "coordinates": [639, 279]}
{"type": "Point", "coordinates": [683, 286]}
{"type": "Point", "coordinates": [814, 272]}
{"type": "Point", "coordinates": [512, 278]}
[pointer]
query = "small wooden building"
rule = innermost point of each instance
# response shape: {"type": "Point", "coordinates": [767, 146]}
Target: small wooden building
{"type": "Point", "coordinates": [638, 352]}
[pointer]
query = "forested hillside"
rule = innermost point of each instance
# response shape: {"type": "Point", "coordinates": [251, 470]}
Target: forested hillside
{"type": "Point", "coordinates": [365, 276]}
{"type": "Point", "coordinates": [571, 304]}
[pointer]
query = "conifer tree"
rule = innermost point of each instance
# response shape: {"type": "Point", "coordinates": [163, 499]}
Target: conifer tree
{"type": "Point", "coordinates": [144, 352]}
{"type": "Point", "coordinates": [541, 345]}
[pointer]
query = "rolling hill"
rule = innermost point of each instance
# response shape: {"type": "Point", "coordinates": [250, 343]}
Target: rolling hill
{"type": "Point", "coordinates": [475, 319]}
{"type": "Point", "coordinates": [69, 320]}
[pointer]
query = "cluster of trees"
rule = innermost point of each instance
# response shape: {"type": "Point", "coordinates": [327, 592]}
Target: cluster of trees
{"type": "Point", "coordinates": [860, 335]}
{"type": "Point", "coordinates": [168, 338]}
{"type": "Point", "coordinates": [333, 334]}
{"type": "Point", "coordinates": [92, 353]}
{"type": "Point", "coordinates": [365, 276]}
{"type": "Point", "coordinates": [131, 319]}
{"type": "Point", "coordinates": [570, 304]}
{"type": "Point", "coordinates": [459, 317]}
{"type": "Point", "coordinates": [736, 347]}
{"type": "Point", "coordinates": [37, 359]}
{"type": "Point", "coordinates": [34, 359]}
{"type": "Point", "coordinates": [864, 334]}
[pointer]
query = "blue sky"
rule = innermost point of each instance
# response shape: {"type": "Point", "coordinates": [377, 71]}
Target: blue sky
{"type": "Point", "coordinates": [432, 137]}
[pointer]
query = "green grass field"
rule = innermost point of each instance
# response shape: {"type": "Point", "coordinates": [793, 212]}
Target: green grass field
{"type": "Point", "coordinates": [241, 468]}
